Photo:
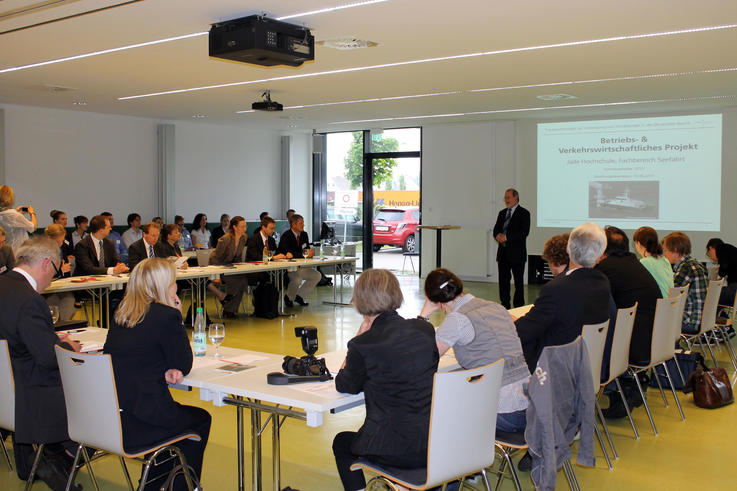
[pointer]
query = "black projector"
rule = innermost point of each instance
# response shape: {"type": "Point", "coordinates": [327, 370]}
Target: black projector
{"type": "Point", "coordinates": [262, 41]}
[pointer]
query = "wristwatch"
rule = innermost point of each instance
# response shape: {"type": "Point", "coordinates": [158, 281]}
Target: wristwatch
{"type": "Point", "coordinates": [423, 318]}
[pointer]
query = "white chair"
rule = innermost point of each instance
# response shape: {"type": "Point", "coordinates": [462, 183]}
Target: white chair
{"type": "Point", "coordinates": [682, 293]}
{"type": "Point", "coordinates": [93, 415]}
{"type": "Point", "coordinates": [723, 327]}
{"type": "Point", "coordinates": [661, 350]}
{"type": "Point", "coordinates": [708, 320]}
{"type": "Point", "coordinates": [7, 396]}
{"type": "Point", "coordinates": [462, 424]}
{"type": "Point", "coordinates": [619, 362]}
{"type": "Point", "coordinates": [594, 337]}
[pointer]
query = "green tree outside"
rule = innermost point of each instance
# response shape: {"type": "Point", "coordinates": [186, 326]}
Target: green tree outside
{"type": "Point", "coordinates": [383, 168]}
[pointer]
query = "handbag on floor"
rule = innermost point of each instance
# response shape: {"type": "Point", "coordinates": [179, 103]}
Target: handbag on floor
{"type": "Point", "coordinates": [711, 387]}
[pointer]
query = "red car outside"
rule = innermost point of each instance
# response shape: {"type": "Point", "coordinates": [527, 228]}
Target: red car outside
{"type": "Point", "coordinates": [396, 227]}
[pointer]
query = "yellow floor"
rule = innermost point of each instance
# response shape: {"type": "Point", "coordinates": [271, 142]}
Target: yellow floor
{"type": "Point", "coordinates": [685, 456]}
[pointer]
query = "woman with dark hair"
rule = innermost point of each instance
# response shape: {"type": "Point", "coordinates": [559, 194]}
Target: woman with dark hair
{"type": "Point", "coordinates": [199, 232]}
{"type": "Point", "coordinates": [80, 229]}
{"type": "Point", "coordinates": [480, 332]}
{"type": "Point", "coordinates": [555, 252]}
{"type": "Point", "coordinates": [651, 256]}
{"type": "Point", "coordinates": [60, 218]}
{"type": "Point", "coordinates": [149, 349]}
{"type": "Point", "coordinates": [167, 245]}
{"type": "Point", "coordinates": [229, 250]}
{"type": "Point", "coordinates": [391, 360]}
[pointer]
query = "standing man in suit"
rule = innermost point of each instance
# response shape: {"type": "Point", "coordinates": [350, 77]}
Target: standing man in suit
{"type": "Point", "coordinates": [96, 254]}
{"type": "Point", "coordinates": [296, 243]}
{"type": "Point", "coordinates": [25, 322]}
{"type": "Point", "coordinates": [144, 247]}
{"type": "Point", "coordinates": [572, 299]}
{"type": "Point", "coordinates": [510, 231]}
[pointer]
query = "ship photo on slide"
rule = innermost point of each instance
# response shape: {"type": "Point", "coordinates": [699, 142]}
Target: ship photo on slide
{"type": "Point", "coordinates": [624, 199]}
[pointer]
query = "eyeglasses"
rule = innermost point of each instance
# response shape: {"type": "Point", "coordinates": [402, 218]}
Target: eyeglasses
{"type": "Point", "coordinates": [58, 271]}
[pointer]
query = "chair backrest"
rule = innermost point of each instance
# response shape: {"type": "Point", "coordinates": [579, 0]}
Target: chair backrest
{"type": "Point", "coordinates": [711, 304]}
{"type": "Point", "coordinates": [463, 422]}
{"type": "Point", "coordinates": [7, 389]}
{"type": "Point", "coordinates": [682, 293]}
{"type": "Point", "coordinates": [594, 336]}
{"type": "Point", "coordinates": [619, 359]}
{"type": "Point", "coordinates": [666, 317]}
{"type": "Point", "coordinates": [91, 399]}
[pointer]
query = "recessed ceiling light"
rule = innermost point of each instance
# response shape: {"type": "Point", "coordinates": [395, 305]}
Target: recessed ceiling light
{"type": "Point", "coordinates": [556, 97]}
{"type": "Point", "coordinates": [347, 43]}
{"type": "Point", "coordinates": [79, 103]}
{"type": "Point", "coordinates": [546, 108]}
{"type": "Point", "coordinates": [199, 116]}
{"type": "Point", "coordinates": [430, 60]}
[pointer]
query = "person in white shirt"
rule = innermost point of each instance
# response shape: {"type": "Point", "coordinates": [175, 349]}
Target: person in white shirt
{"type": "Point", "coordinates": [17, 227]}
{"type": "Point", "coordinates": [134, 232]}
{"type": "Point", "coordinates": [200, 234]}
{"type": "Point", "coordinates": [80, 229]}
{"type": "Point", "coordinates": [120, 246]}
{"type": "Point", "coordinates": [95, 254]}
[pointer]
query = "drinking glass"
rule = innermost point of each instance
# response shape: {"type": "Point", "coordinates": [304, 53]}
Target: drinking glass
{"type": "Point", "coordinates": [217, 335]}
{"type": "Point", "coordinates": [271, 254]}
{"type": "Point", "coordinates": [54, 313]}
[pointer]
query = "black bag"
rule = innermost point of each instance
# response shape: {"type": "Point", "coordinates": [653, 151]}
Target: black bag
{"type": "Point", "coordinates": [266, 301]}
{"type": "Point", "coordinates": [687, 360]}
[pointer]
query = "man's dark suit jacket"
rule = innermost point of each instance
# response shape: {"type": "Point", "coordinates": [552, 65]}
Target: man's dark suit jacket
{"type": "Point", "coordinates": [215, 236]}
{"type": "Point", "coordinates": [255, 247]}
{"type": "Point", "coordinates": [289, 243]}
{"type": "Point", "coordinates": [630, 282]}
{"type": "Point", "coordinates": [515, 250]}
{"type": "Point", "coordinates": [25, 321]}
{"type": "Point", "coordinates": [165, 249]}
{"type": "Point", "coordinates": [86, 257]}
{"type": "Point", "coordinates": [141, 355]}
{"type": "Point", "coordinates": [137, 252]}
{"type": "Point", "coordinates": [393, 363]}
{"type": "Point", "coordinates": [564, 306]}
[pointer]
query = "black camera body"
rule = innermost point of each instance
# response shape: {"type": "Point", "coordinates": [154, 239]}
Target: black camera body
{"type": "Point", "coordinates": [304, 369]}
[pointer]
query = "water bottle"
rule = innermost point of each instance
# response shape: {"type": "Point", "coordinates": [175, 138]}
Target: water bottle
{"type": "Point", "coordinates": [199, 334]}
{"type": "Point", "coordinates": [322, 253]}
{"type": "Point", "coordinates": [342, 250]}
{"type": "Point", "coordinates": [265, 257]}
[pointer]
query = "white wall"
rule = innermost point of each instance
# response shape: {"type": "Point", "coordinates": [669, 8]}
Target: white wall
{"type": "Point", "coordinates": [300, 177]}
{"type": "Point", "coordinates": [225, 169]}
{"type": "Point", "coordinates": [81, 163]}
{"type": "Point", "coordinates": [465, 170]}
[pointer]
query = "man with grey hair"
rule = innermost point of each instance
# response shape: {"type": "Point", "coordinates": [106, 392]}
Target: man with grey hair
{"type": "Point", "coordinates": [510, 231]}
{"type": "Point", "coordinates": [25, 322]}
{"type": "Point", "coordinates": [577, 297]}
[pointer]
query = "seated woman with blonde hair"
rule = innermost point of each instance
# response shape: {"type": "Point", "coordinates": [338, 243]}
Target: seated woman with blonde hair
{"type": "Point", "coordinates": [149, 349]}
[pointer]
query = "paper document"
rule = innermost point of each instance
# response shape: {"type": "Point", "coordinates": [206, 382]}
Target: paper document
{"type": "Point", "coordinates": [318, 388]}
{"type": "Point", "coordinates": [180, 260]}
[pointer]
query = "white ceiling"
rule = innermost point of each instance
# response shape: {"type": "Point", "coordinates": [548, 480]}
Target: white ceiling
{"type": "Point", "coordinates": [406, 30]}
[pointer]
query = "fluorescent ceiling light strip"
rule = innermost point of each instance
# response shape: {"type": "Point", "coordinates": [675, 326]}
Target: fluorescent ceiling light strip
{"type": "Point", "coordinates": [103, 52]}
{"type": "Point", "coordinates": [429, 60]}
{"type": "Point", "coordinates": [331, 9]}
{"type": "Point", "coordinates": [527, 109]}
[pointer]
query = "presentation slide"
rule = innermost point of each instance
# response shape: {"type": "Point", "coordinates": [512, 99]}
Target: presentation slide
{"type": "Point", "coordinates": [661, 172]}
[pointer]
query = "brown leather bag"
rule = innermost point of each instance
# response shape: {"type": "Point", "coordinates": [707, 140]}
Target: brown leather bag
{"type": "Point", "coordinates": [711, 387]}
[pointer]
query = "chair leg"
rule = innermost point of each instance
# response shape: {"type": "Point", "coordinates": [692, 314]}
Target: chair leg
{"type": "Point", "coordinates": [185, 467]}
{"type": "Point", "coordinates": [660, 386]}
{"type": "Point", "coordinates": [75, 464]}
{"type": "Point", "coordinates": [728, 344]}
{"type": "Point", "coordinates": [89, 469]}
{"type": "Point", "coordinates": [34, 467]}
{"type": "Point", "coordinates": [680, 372]}
{"type": "Point", "coordinates": [606, 430]}
{"type": "Point", "coordinates": [573, 475]}
{"type": "Point", "coordinates": [711, 353]}
{"type": "Point", "coordinates": [126, 474]}
{"type": "Point", "coordinates": [627, 408]}
{"type": "Point", "coordinates": [512, 471]}
{"type": "Point", "coordinates": [486, 480]}
{"type": "Point", "coordinates": [644, 402]}
{"type": "Point", "coordinates": [601, 444]}
{"type": "Point", "coordinates": [672, 387]}
{"type": "Point", "coordinates": [502, 466]}
{"type": "Point", "coordinates": [5, 452]}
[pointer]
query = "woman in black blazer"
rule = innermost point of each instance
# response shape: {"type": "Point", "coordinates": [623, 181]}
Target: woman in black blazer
{"type": "Point", "coordinates": [149, 348]}
{"type": "Point", "coordinates": [393, 361]}
{"type": "Point", "coordinates": [167, 246]}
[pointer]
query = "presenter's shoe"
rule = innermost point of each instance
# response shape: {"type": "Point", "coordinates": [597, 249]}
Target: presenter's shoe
{"type": "Point", "coordinates": [300, 301]}
{"type": "Point", "coordinates": [288, 302]}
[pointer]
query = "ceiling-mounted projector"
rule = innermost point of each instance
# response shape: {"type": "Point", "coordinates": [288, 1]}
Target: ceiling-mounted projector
{"type": "Point", "coordinates": [267, 104]}
{"type": "Point", "coordinates": [262, 41]}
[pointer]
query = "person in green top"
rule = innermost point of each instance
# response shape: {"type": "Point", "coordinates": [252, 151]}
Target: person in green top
{"type": "Point", "coordinates": [651, 252]}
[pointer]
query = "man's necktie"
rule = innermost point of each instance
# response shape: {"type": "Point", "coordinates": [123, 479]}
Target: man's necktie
{"type": "Point", "coordinates": [150, 250]}
{"type": "Point", "coordinates": [101, 255]}
{"type": "Point", "coordinates": [507, 220]}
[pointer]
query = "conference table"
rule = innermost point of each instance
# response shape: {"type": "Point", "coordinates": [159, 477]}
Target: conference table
{"type": "Point", "coordinates": [248, 389]}
{"type": "Point", "coordinates": [99, 286]}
